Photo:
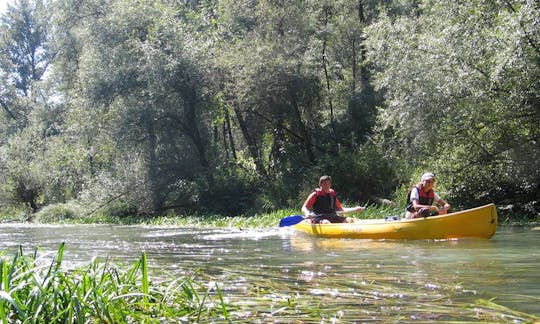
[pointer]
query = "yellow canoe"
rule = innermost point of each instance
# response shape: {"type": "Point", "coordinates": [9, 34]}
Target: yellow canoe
{"type": "Point", "coordinates": [480, 222]}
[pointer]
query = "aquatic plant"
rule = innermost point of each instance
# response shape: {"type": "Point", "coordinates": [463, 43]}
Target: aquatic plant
{"type": "Point", "coordinates": [36, 289]}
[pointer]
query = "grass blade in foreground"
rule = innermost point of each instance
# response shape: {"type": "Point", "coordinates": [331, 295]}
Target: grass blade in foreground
{"type": "Point", "coordinates": [32, 291]}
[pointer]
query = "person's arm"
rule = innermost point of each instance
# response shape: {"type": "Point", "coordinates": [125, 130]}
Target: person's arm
{"type": "Point", "coordinates": [443, 203]}
{"type": "Point", "coordinates": [430, 207]}
{"type": "Point", "coordinates": [346, 210]}
{"type": "Point", "coordinates": [339, 207]}
{"type": "Point", "coordinates": [308, 204]}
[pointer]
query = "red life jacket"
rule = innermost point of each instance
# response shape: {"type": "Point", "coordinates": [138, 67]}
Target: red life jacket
{"type": "Point", "coordinates": [424, 198]}
{"type": "Point", "coordinates": [325, 202]}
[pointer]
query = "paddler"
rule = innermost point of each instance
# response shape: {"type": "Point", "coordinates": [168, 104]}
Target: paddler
{"type": "Point", "coordinates": [322, 205]}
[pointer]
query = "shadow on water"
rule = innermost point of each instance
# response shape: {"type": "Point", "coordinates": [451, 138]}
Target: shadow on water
{"type": "Point", "coordinates": [276, 273]}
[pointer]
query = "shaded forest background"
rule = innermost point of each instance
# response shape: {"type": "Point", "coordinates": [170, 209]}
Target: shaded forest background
{"type": "Point", "coordinates": [237, 107]}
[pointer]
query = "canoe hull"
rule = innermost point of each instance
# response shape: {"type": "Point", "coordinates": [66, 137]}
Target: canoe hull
{"type": "Point", "coordinates": [480, 222]}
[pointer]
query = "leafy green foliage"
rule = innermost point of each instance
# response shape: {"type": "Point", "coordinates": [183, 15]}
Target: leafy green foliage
{"type": "Point", "coordinates": [235, 106]}
{"type": "Point", "coordinates": [367, 176]}
{"type": "Point", "coordinates": [453, 102]}
{"type": "Point", "coordinates": [58, 213]}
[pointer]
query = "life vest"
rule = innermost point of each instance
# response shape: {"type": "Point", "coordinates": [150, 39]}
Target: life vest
{"type": "Point", "coordinates": [424, 198]}
{"type": "Point", "coordinates": [325, 202]}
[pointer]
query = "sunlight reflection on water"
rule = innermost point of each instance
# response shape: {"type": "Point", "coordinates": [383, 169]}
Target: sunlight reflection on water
{"type": "Point", "coordinates": [341, 276]}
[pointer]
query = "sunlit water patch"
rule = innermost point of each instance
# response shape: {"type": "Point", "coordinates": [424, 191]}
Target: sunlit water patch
{"type": "Point", "coordinates": [225, 234]}
{"type": "Point", "coordinates": [277, 274]}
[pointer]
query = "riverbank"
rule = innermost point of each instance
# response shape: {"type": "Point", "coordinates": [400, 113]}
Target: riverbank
{"type": "Point", "coordinates": [69, 214]}
{"type": "Point", "coordinates": [66, 214]}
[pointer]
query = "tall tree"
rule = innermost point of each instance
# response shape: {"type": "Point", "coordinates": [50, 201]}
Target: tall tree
{"type": "Point", "coordinates": [267, 75]}
{"type": "Point", "coordinates": [29, 116]}
{"type": "Point", "coordinates": [24, 56]}
{"type": "Point", "coordinates": [462, 88]}
{"type": "Point", "coordinates": [136, 67]}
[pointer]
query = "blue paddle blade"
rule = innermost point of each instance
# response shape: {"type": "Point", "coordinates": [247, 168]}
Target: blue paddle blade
{"type": "Point", "coordinates": [291, 220]}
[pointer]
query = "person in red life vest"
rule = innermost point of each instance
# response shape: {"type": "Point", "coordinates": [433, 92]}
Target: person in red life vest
{"type": "Point", "coordinates": [421, 197]}
{"type": "Point", "coordinates": [322, 205]}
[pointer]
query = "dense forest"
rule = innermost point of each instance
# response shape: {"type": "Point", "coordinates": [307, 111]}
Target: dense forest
{"type": "Point", "coordinates": [235, 107]}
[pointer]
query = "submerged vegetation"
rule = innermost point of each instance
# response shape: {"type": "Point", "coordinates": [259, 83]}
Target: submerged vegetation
{"type": "Point", "coordinates": [38, 288]}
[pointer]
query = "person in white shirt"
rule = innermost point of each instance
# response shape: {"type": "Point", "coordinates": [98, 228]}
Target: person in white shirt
{"type": "Point", "coordinates": [421, 197]}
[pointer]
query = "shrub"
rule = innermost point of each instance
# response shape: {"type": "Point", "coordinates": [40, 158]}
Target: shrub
{"type": "Point", "coordinates": [58, 213]}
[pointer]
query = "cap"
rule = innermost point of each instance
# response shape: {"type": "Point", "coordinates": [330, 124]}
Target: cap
{"type": "Point", "coordinates": [324, 178]}
{"type": "Point", "coordinates": [427, 176]}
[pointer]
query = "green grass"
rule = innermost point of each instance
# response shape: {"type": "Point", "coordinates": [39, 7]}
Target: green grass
{"type": "Point", "coordinates": [200, 221]}
{"type": "Point", "coordinates": [263, 220]}
{"type": "Point", "coordinates": [67, 214]}
{"type": "Point", "coordinates": [36, 290]}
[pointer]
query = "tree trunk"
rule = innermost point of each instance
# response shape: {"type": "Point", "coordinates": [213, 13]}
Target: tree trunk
{"type": "Point", "coordinates": [229, 129]}
{"type": "Point", "coordinates": [190, 117]}
{"type": "Point", "coordinates": [151, 161]}
{"type": "Point", "coordinates": [325, 68]}
{"type": "Point", "coordinates": [303, 129]}
{"type": "Point", "coordinates": [364, 76]}
{"type": "Point", "coordinates": [277, 144]}
{"type": "Point", "coordinates": [252, 145]}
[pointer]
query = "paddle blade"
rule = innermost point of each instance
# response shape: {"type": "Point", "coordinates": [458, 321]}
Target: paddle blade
{"type": "Point", "coordinates": [291, 220]}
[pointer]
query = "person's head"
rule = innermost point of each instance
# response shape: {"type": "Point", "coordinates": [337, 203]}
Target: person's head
{"type": "Point", "coordinates": [325, 182]}
{"type": "Point", "coordinates": [428, 180]}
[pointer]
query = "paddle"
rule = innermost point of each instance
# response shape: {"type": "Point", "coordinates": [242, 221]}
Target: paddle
{"type": "Point", "coordinates": [295, 219]}
{"type": "Point", "coordinates": [291, 220]}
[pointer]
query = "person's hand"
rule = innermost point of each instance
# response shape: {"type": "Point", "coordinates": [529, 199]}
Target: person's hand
{"type": "Point", "coordinates": [446, 207]}
{"type": "Point", "coordinates": [360, 208]}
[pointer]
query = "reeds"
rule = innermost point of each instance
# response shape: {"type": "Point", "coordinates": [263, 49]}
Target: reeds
{"type": "Point", "coordinates": [261, 220]}
{"type": "Point", "coordinates": [36, 289]}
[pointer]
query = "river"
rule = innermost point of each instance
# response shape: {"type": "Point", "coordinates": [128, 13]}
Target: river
{"type": "Point", "coordinates": [277, 274]}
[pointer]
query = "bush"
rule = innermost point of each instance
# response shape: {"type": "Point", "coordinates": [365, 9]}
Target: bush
{"type": "Point", "coordinates": [58, 213]}
{"type": "Point", "coordinates": [229, 192]}
{"type": "Point", "coordinates": [118, 208]}
{"type": "Point", "coordinates": [19, 213]}
{"type": "Point", "coordinates": [363, 175]}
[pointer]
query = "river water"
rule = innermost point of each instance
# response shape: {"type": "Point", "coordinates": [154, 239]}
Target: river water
{"type": "Point", "coordinates": [279, 275]}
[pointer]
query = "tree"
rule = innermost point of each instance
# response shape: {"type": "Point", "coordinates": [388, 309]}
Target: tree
{"type": "Point", "coordinates": [29, 115]}
{"type": "Point", "coordinates": [461, 84]}
{"type": "Point", "coordinates": [136, 69]}
{"type": "Point", "coordinates": [266, 77]}
{"type": "Point", "coordinates": [24, 58]}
